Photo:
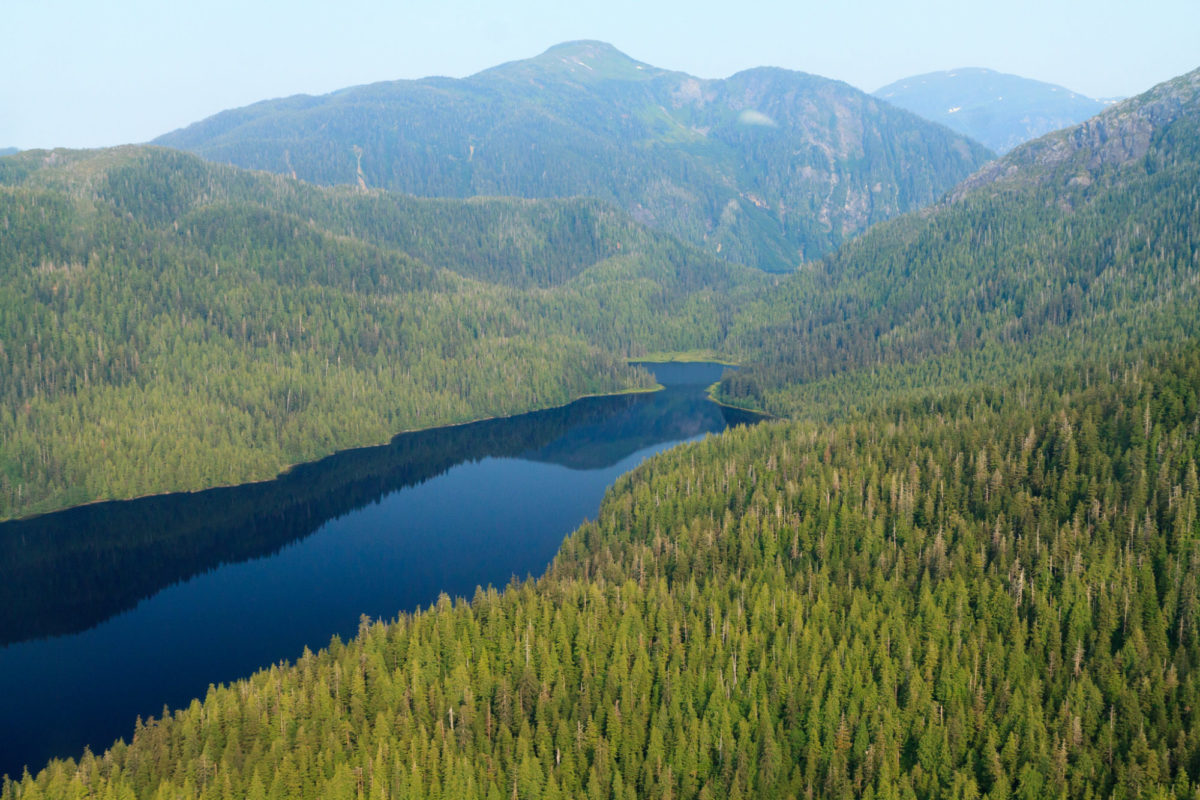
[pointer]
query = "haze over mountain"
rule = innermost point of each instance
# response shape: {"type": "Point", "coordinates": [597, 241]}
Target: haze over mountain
{"type": "Point", "coordinates": [8, 151]}
{"type": "Point", "coordinates": [963, 562]}
{"type": "Point", "coordinates": [1160, 123]}
{"type": "Point", "coordinates": [999, 110]}
{"type": "Point", "coordinates": [768, 167]}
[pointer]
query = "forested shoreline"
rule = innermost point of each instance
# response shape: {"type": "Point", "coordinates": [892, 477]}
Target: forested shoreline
{"type": "Point", "coordinates": [986, 593]}
{"type": "Point", "coordinates": [171, 325]}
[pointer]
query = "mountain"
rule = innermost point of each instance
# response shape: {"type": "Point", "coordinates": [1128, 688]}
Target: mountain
{"type": "Point", "coordinates": [171, 324]}
{"type": "Point", "coordinates": [1075, 247]}
{"type": "Point", "coordinates": [999, 110]}
{"type": "Point", "coordinates": [768, 168]}
{"type": "Point", "coordinates": [8, 151]}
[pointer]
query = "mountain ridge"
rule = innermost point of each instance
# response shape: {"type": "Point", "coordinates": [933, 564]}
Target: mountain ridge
{"type": "Point", "coordinates": [965, 568]}
{"type": "Point", "coordinates": [1074, 246]}
{"type": "Point", "coordinates": [770, 187]}
{"type": "Point", "coordinates": [999, 109]}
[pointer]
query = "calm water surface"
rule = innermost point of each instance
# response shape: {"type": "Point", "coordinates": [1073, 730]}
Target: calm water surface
{"type": "Point", "coordinates": [112, 611]}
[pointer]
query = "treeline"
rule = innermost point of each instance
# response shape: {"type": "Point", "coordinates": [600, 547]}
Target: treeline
{"type": "Point", "coordinates": [166, 324]}
{"type": "Point", "coordinates": [990, 593]}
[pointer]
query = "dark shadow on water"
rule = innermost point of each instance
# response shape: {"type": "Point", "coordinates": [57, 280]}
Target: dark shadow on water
{"type": "Point", "coordinates": [65, 572]}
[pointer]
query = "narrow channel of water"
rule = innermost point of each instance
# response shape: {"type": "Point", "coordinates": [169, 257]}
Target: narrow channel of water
{"type": "Point", "coordinates": [115, 610]}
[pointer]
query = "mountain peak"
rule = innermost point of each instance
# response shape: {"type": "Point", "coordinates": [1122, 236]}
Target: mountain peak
{"type": "Point", "coordinates": [580, 60]}
{"type": "Point", "coordinates": [585, 48]}
{"type": "Point", "coordinates": [731, 165]}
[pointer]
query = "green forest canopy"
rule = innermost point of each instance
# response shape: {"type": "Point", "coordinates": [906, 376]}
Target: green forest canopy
{"type": "Point", "coordinates": [167, 324]}
{"type": "Point", "coordinates": [1065, 250]}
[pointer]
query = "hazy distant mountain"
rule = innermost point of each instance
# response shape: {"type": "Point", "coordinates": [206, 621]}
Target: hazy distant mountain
{"type": "Point", "coordinates": [768, 167]}
{"type": "Point", "coordinates": [8, 151]}
{"type": "Point", "coordinates": [999, 110]}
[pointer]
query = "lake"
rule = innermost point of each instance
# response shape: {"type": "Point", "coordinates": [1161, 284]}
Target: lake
{"type": "Point", "coordinates": [114, 610]}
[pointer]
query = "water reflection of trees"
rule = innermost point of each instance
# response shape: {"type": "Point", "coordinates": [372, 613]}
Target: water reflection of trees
{"type": "Point", "coordinates": [66, 572]}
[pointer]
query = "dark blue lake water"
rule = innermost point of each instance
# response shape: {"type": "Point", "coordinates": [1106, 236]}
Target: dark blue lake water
{"type": "Point", "coordinates": [115, 610]}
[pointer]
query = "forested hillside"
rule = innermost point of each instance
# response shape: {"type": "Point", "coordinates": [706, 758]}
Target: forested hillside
{"type": "Point", "coordinates": [1080, 245]}
{"type": "Point", "coordinates": [51, 587]}
{"type": "Point", "coordinates": [988, 593]}
{"type": "Point", "coordinates": [168, 324]}
{"type": "Point", "coordinates": [768, 168]}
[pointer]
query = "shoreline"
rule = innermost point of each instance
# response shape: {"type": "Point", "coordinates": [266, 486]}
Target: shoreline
{"type": "Point", "coordinates": [289, 467]}
{"type": "Point", "coordinates": [702, 357]}
{"type": "Point", "coordinates": [684, 357]}
{"type": "Point", "coordinates": [709, 393]}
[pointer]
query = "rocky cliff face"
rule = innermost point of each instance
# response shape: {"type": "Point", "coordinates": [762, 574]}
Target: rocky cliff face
{"type": "Point", "coordinates": [1122, 134]}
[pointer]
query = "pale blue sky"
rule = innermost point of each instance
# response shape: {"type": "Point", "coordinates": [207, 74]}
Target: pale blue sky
{"type": "Point", "coordinates": [82, 73]}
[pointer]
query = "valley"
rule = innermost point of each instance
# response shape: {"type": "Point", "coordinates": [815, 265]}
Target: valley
{"type": "Point", "coordinates": [958, 561]}
{"type": "Point", "coordinates": [179, 325]}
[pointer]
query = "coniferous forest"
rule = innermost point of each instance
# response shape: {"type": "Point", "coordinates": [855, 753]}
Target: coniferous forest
{"type": "Point", "coordinates": [169, 324]}
{"type": "Point", "coordinates": [963, 563]}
